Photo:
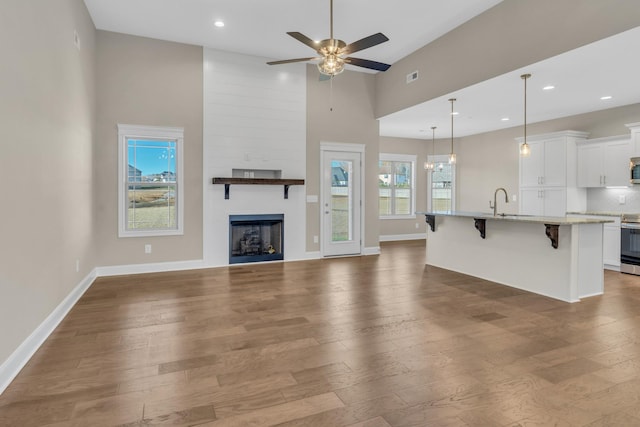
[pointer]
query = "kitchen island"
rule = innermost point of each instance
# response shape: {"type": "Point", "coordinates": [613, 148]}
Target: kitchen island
{"type": "Point", "coordinates": [559, 257]}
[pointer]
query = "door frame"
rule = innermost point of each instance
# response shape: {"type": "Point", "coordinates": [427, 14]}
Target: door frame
{"type": "Point", "coordinates": [347, 148]}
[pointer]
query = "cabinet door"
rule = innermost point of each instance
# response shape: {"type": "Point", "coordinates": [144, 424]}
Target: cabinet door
{"type": "Point", "coordinates": [555, 162]}
{"type": "Point", "coordinates": [555, 201]}
{"type": "Point", "coordinates": [611, 245]}
{"type": "Point", "coordinates": [616, 163]}
{"type": "Point", "coordinates": [590, 165]}
{"type": "Point", "coordinates": [532, 166]}
{"type": "Point", "coordinates": [531, 201]}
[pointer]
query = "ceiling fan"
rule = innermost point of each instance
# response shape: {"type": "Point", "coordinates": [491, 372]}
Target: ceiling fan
{"type": "Point", "coordinates": [332, 51]}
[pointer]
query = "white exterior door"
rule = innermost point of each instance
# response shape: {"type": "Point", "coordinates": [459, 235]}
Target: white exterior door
{"type": "Point", "coordinates": [341, 203]}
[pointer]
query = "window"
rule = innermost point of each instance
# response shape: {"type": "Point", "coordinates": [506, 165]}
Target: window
{"type": "Point", "coordinates": [442, 185]}
{"type": "Point", "coordinates": [396, 188]}
{"type": "Point", "coordinates": [150, 181]}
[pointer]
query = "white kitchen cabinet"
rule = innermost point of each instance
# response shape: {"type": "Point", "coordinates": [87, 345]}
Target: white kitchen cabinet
{"type": "Point", "coordinates": [635, 138]}
{"type": "Point", "coordinates": [611, 246]}
{"type": "Point", "coordinates": [604, 162]}
{"type": "Point", "coordinates": [546, 165]}
{"type": "Point", "coordinates": [610, 241]}
{"type": "Point", "coordinates": [548, 175]}
{"type": "Point", "coordinates": [548, 201]}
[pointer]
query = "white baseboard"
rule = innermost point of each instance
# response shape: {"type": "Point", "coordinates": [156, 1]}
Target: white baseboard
{"type": "Point", "coordinates": [308, 255]}
{"type": "Point", "coordinates": [155, 267]}
{"type": "Point", "coordinates": [372, 250]}
{"type": "Point", "coordinates": [399, 237]}
{"type": "Point", "coordinates": [16, 361]}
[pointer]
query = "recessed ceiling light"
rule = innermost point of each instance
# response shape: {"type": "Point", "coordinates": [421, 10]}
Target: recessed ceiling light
{"type": "Point", "coordinates": [505, 119]}
{"type": "Point", "coordinates": [549, 87]}
{"type": "Point", "coordinates": [219, 24]}
{"type": "Point", "coordinates": [604, 98]}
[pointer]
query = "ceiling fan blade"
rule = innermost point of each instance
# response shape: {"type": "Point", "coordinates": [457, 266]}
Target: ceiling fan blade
{"type": "Point", "coordinates": [365, 63]}
{"type": "Point", "coordinates": [304, 39]}
{"type": "Point", "coordinates": [287, 61]}
{"type": "Point", "coordinates": [365, 43]}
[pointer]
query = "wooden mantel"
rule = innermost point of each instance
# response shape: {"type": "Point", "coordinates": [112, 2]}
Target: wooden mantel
{"type": "Point", "coordinates": [256, 181]}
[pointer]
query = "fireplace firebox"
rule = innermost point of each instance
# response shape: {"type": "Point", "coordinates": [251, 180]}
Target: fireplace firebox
{"type": "Point", "coordinates": [255, 238]}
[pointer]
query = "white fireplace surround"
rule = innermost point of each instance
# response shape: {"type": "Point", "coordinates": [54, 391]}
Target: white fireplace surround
{"type": "Point", "coordinates": [263, 132]}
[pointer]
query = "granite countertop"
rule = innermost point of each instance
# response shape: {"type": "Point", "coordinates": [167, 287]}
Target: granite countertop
{"type": "Point", "coordinates": [553, 220]}
{"type": "Point", "coordinates": [602, 213]}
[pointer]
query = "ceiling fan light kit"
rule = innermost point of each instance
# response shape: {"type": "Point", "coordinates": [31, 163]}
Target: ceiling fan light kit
{"type": "Point", "coordinates": [333, 51]}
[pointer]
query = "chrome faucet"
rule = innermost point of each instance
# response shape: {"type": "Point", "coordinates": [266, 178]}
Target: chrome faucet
{"type": "Point", "coordinates": [495, 203]}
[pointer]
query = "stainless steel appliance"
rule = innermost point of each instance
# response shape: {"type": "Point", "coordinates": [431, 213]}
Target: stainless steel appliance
{"type": "Point", "coordinates": [634, 168]}
{"type": "Point", "coordinates": [630, 244]}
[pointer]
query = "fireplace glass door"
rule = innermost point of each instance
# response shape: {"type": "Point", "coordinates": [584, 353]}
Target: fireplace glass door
{"type": "Point", "coordinates": [255, 238]}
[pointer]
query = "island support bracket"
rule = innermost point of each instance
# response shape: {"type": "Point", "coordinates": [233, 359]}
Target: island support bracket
{"type": "Point", "coordinates": [552, 233]}
{"type": "Point", "coordinates": [226, 191]}
{"type": "Point", "coordinates": [431, 220]}
{"type": "Point", "coordinates": [481, 224]}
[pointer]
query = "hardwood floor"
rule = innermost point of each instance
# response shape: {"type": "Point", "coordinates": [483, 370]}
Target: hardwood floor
{"type": "Point", "coordinates": [372, 341]}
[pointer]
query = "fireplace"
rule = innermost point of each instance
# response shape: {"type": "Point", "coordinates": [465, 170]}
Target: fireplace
{"type": "Point", "coordinates": [255, 238]}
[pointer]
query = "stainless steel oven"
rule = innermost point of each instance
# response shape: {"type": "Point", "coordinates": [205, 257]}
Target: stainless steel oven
{"type": "Point", "coordinates": [630, 244]}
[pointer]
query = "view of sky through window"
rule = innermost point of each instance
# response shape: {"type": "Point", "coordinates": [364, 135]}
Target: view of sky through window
{"type": "Point", "coordinates": [152, 157]}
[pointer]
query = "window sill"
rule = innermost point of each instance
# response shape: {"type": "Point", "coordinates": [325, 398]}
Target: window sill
{"type": "Point", "coordinates": [398, 217]}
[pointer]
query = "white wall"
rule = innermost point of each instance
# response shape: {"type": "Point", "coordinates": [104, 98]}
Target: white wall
{"type": "Point", "coordinates": [254, 118]}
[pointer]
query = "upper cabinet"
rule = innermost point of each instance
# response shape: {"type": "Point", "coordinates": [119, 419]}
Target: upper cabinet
{"type": "Point", "coordinates": [548, 175]}
{"type": "Point", "coordinates": [635, 138]}
{"type": "Point", "coordinates": [546, 165]}
{"type": "Point", "coordinates": [604, 162]}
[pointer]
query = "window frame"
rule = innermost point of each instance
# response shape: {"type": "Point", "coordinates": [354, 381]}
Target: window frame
{"type": "Point", "coordinates": [163, 133]}
{"type": "Point", "coordinates": [399, 158]}
{"type": "Point", "coordinates": [436, 160]}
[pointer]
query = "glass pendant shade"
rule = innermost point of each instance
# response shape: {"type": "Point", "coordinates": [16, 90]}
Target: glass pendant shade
{"type": "Point", "coordinates": [525, 150]}
{"type": "Point", "coordinates": [452, 158]}
{"type": "Point", "coordinates": [331, 65]}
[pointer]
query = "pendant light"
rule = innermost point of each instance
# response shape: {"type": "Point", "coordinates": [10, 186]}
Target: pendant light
{"type": "Point", "coordinates": [525, 151]}
{"type": "Point", "coordinates": [452, 156]}
{"type": "Point", "coordinates": [429, 165]}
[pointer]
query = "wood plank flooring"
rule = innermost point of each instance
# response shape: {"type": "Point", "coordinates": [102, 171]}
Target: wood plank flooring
{"type": "Point", "coordinates": [377, 341]}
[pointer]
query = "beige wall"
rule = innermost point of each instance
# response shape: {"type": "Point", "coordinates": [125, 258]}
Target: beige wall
{"type": "Point", "coordinates": [351, 121]}
{"type": "Point", "coordinates": [511, 35]}
{"type": "Point", "coordinates": [421, 148]}
{"type": "Point", "coordinates": [143, 81]}
{"type": "Point", "coordinates": [490, 160]}
{"type": "Point", "coordinates": [47, 113]}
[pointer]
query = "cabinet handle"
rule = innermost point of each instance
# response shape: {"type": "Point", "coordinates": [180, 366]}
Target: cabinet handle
{"type": "Point", "coordinates": [604, 179]}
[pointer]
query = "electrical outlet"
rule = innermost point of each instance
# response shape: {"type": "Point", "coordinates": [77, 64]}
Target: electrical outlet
{"type": "Point", "coordinates": [417, 225]}
{"type": "Point", "coordinates": [514, 197]}
{"type": "Point", "coordinates": [147, 249]}
{"type": "Point", "coordinates": [315, 239]}
{"type": "Point", "coordinates": [622, 199]}
{"type": "Point", "coordinates": [77, 266]}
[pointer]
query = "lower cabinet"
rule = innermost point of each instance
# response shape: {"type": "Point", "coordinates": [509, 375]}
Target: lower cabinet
{"type": "Point", "coordinates": [611, 246]}
{"type": "Point", "coordinates": [543, 201]}
{"type": "Point", "coordinates": [610, 241]}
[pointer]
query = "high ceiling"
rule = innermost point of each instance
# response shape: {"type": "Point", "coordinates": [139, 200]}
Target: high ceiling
{"type": "Point", "coordinates": [259, 27]}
